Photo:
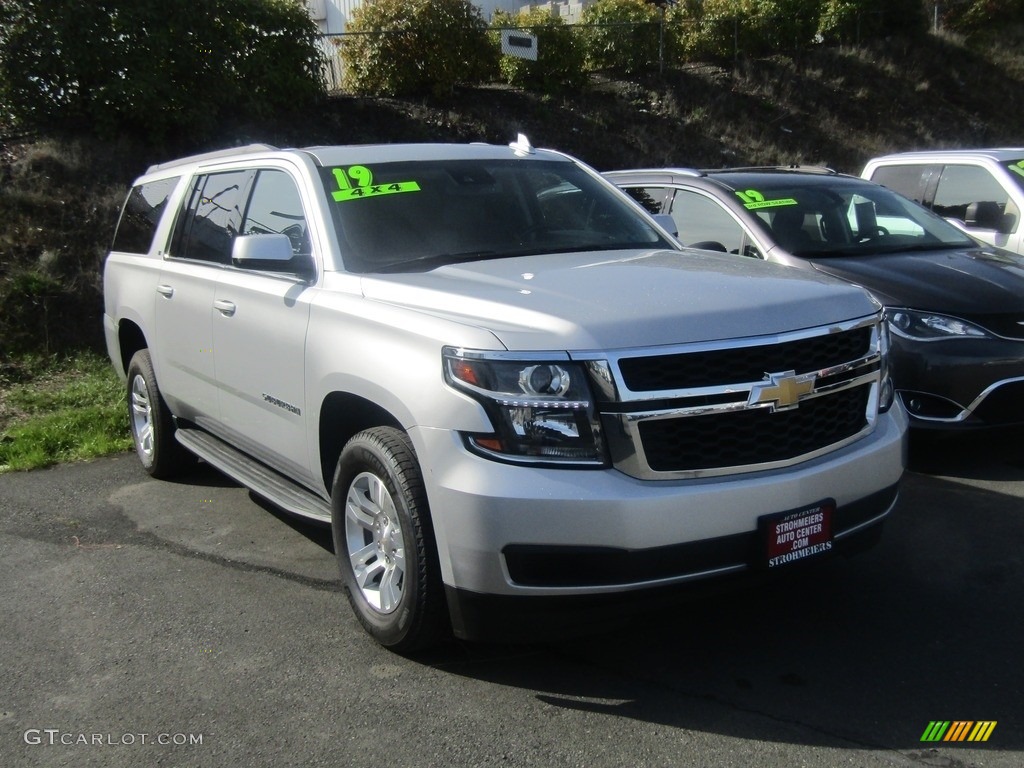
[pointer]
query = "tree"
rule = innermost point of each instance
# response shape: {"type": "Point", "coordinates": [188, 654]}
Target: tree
{"type": "Point", "coordinates": [153, 67]}
{"type": "Point", "coordinates": [416, 47]}
{"type": "Point", "coordinates": [758, 27]}
{"type": "Point", "coordinates": [853, 21]}
{"type": "Point", "coordinates": [977, 15]}
{"type": "Point", "coordinates": [622, 35]}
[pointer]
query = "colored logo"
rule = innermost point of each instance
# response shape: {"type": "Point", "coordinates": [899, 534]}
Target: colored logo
{"type": "Point", "coordinates": [959, 730]}
{"type": "Point", "coordinates": [781, 391]}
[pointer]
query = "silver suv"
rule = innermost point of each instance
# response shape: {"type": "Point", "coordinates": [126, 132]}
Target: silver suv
{"type": "Point", "coordinates": [980, 189]}
{"type": "Point", "coordinates": [495, 377]}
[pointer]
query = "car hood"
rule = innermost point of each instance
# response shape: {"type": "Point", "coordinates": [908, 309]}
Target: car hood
{"type": "Point", "coordinates": [969, 281]}
{"type": "Point", "coordinates": [622, 299]}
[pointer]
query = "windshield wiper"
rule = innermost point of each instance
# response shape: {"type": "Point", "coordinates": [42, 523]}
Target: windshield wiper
{"type": "Point", "coordinates": [922, 247]}
{"type": "Point", "coordinates": [867, 249]}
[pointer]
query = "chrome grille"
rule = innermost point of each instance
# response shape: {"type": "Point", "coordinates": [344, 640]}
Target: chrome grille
{"type": "Point", "coordinates": [722, 366]}
{"type": "Point", "coordinates": [742, 406]}
{"type": "Point", "coordinates": [753, 436]}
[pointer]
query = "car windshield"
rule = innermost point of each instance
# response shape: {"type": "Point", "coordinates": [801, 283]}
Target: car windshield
{"type": "Point", "coordinates": [823, 216]}
{"type": "Point", "coordinates": [419, 215]}
{"type": "Point", "coordinates": [1016, 168]}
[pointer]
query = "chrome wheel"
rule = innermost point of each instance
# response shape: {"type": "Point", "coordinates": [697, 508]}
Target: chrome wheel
{"type": "Point", "coordinates": [151, 421]}
{"type": "Point", "coordinates": [376, 549]}
{"type": "Point", "coordinates": [384, 541]}
{"type": "Point", "coordinates": [142, 418]}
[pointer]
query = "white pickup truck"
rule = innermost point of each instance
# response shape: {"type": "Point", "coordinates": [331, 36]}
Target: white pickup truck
{"type": "Point", "coordinates": [502, 384]}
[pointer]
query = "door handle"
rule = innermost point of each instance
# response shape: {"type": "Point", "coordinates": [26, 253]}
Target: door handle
{"type": "Point", "coordinates": [165, 290]}
{"type": "Point", "coordinates": [226, 308]}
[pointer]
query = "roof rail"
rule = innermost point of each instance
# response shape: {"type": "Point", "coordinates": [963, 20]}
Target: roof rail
{"type": "Point", "coordinates": [668, 169]}
{"type": "Point", "coordinates": [792, 167]}
{"type": "Point", "coordinates": [249, 148]}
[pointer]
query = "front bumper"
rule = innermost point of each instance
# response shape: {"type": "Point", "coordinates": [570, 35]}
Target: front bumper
{"type": "Point", "coordinates": [960, 383]}
{"type": "Point", "coordinates": [529, 619]}
{"type": "Point", "coordinates": [490, 518]}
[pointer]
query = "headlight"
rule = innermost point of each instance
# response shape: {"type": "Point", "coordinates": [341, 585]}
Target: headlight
{"type": "Point", "coordinates": [542, 410]}
{"type": "Point", "coordinates": [926, 326]}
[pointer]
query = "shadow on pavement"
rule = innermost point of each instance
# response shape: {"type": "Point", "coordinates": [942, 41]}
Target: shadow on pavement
{"type": "Point", "coordinates": [864, 650]}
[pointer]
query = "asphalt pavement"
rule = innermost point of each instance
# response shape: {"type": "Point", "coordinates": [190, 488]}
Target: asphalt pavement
{"type": "Point", "coordinates": [190, 624]}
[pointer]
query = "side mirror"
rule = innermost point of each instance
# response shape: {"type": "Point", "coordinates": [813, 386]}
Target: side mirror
{"type": "Point", "coordinates": [270, 253]}
{"type": "Point", "coordinates": [666, 222]}
{"type": "Point", "coordinates": [259, 251]}
{"type": "Point", "coordinates": [986, 214]}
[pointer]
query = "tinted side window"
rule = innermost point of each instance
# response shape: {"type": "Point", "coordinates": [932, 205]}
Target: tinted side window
{"type": "Point", "coordinates": [276, 208]}
{"type": "Point", "coordinates": [972, 195]}
{"type": "Point", "coordinates": [141, 215]}
{"type": "Point", "coordinates": [211, 218]}
{"type": "Point", "coordinates": [703, 221]}
{"type": "Point", "coordinates": [651, 198]}
{"type": "Point", "coordinates": [902, 179]}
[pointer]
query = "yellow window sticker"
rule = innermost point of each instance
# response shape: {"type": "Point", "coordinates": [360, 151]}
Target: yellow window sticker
{"type": "Point", "coordinates": [356, 183]}
{"type": "Point", "coordinates": [753, 200]}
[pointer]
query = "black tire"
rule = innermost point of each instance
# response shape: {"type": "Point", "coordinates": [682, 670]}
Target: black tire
{"type": "Point", "coordinates": [384, 541]}
{"type": "Point", "coordinates": [152, 426]}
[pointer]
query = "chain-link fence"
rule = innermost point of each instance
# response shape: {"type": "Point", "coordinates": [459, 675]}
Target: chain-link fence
{"type": "Point", "coordinates": [657, 45]}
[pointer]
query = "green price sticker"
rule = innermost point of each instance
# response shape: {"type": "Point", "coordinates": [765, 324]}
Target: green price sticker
{"type": "Point", "coordinates": [1017, 168]}
{"type": "Point", "coordinates": [753, 200]}
{"type": "Point", "coordinates": [356, 182]}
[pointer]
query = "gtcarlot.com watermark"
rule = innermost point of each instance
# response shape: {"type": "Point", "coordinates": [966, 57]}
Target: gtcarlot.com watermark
{"type": "Point", "coordinates": [55, 736]}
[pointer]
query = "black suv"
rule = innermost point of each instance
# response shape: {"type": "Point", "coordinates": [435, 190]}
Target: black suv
{"type": "Point", "coordinates": [955, 305]}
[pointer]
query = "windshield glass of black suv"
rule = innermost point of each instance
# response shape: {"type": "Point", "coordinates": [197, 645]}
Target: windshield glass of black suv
{"type": "Point", "coordinates": [846, 217]}
{"type": "Point", "coordinates": [416, 216]}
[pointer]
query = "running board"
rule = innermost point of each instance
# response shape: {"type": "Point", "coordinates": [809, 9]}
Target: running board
{"type": "Point", "coordinates": [260, 479]}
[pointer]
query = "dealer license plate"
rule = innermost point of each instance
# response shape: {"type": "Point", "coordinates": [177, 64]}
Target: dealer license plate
{"type": "Point", "coordinates": [790, 537]}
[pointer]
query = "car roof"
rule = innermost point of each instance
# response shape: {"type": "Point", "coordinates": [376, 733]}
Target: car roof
{"type": "Point", "coordinates": [700, 172]}
{"type": "Point", "coordinates": [999, 154]}
{"type": "Point", "coordinates": [658, 172]}
{"type": "Point", "coordinates": [367, 153]}
{"type": "Point", "coordinates": [736, 178]}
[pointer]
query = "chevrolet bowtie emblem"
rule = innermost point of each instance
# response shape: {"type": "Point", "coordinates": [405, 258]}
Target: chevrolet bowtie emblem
{"type": "Point", "coordinates": [781, 391]}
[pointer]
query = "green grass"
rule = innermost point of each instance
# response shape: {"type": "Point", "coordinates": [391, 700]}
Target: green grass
{"type": "Point", "coordinates": [53, 411]}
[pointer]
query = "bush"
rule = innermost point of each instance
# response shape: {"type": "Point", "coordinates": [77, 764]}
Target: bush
{"type": "Point", "coordinates": [560, 55]}
{"type": "Point", "coordinates": [705, 30]}
{"type": "Point", "coordinates": [854, 21]}
{"type": "Point", "coordinates": [59, 202]}
{"type": "Point", "coordinates": [758, 27]}
{"type": "Point", "coordinates": [622, 35]}
{"type": "Point", "coordinates": [415, 47]}
{"type": "Point", "coordinates": [978, 15]}
{"type": "Point", "coordinates": [764, 26]}
{"type": "Point", "coordinates": [154, 68]}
